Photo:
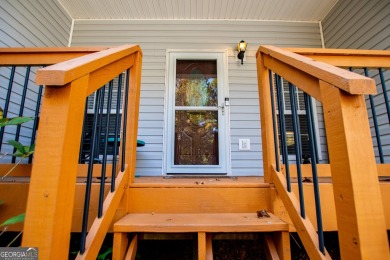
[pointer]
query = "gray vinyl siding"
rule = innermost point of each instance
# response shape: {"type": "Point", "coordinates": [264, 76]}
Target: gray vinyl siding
{"type": "Point", "coordinates": [363, 24]}
{"type": "Point", "coordinates": [38, 23]}
{"type": "Point", "coordinates": [155, 37]}
{"type": "Point", "coordinates": [358, 24]}
{"type": "Point", "coordinates": [33, 24]}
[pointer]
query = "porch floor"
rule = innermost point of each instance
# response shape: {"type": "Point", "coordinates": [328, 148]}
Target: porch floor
{"type": "Point", "coordinates": [206, 181]}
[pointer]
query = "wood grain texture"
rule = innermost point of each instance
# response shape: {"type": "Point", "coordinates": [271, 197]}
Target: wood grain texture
{"type": "Point", "coordinates": [199, 182]}
{"type": "Point", "coordinates": [65, 105]}
{"type": "Point", "coordinates": [24, 170]}
{"type": "Point", "coordinates": [120, 246]}
{"type": "Point", "coordinates": [267, 131]}
{"type": "Point", "coordinates": [133, 114]}
{"type": "Point", "coordinates": [51, 50]}
{"type": "Point", "coordinates": [198, 222]}
{"type": "Point", "coordinates": [205, 247]}
{"type": "Point", "coordinates": [53, 178]}
{"type": "Point", "coordinates": [353, 61]}
{"type": "Point", "coordinates": [302, 80]}
{"type": "Point", "coordinates": [350, 82]}
{"type": "Point", "coordinates": [100, 226]}
{"type": "Point", "coordinates": [304, 227]}
{"type": "Point", "coordinates": [43, 56]}
{"type": "Point", "coordinates": [197, 200]}
{"type": "Point", "coordinates": [103, 75]}
{"type": "Point", "coordinates": [359, 208]}
{"type": "Point", "coordinates": [132, 250]}
{"type": "Point", "coordinates": [327, 206]}
{"type": "Point", "coordinates": [328, 210]}
{"type": "Point", "coordinates": [347, 57]}
{"type": "Point", "coordinates": [383, 170]}
{"type": "Point", "coordinates": [65, 72]}
{"type": "Point", "coordinates": [202, 247]}
{"type": "Point", "coordinates": [15, 197]}
{"type": "Point", "coordinates": [339, 52]}
{"type": "Point", "coordinates": [15, 200]}
{"type": "Point", "coordinates": [282, 244]}
{"type": "Point", "coordinates": [269, 248]}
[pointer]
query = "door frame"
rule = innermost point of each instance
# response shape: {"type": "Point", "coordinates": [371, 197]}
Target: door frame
{"type": "Point", "coordinates": [224, 121]}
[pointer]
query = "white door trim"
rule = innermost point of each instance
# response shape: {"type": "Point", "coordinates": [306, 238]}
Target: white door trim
{"type": "Point", "coordinates": [224, 139]}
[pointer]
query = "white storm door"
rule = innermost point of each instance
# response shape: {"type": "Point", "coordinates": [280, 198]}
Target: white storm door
{"type": "Point", "coordinates": [197, 116]}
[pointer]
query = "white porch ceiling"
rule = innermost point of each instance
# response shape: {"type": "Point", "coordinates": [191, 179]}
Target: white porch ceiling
{"type": "Point", "coordinates": [287, 10]}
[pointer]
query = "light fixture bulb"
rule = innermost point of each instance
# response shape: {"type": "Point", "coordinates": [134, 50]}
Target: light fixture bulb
{"type": "Point", "coordinates": [241, 47]}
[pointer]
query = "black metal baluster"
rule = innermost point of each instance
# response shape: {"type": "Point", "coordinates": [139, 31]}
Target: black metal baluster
{"type": "Point", "coordinates": [21, 108]}
{"type": "Point", "coordinates": [311, 113]}
{"type": "Point", "coordinates": [124, 127]}
{"type": "Point", "coordinates": [100, 124]}
{"type": "Point", "coordinates": [274, 124]}
{"type": "Point", "coordinates": [117, 132]}
{"type": "Point", "coordinates": [105, 143]}
{"type": "Point", "coordinates": [298, 144]}
{"type": "Point", "coordinates": [36, 120]}
{"type": "Point", "coordinates": [282, 123]}
{"type": "Point", "coordinates": [315, 176]}
{"type": "Point", "coordinates": [90, 172]}
{"type": "Point", "coordinates": [376, 126]}
{"type": "Point", "coordinates": [7, 101]}
{"type": "Point", "coordinates": [385, 95]}
{"type": "Point", "coordinates": [84, 133]}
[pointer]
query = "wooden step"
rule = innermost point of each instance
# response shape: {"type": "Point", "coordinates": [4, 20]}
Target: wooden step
{"type": "Point", "coordinates": [204, 224]}
{"type": "Point", "coordinates": [209, 222]}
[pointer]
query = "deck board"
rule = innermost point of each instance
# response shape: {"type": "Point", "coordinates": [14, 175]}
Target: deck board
{"type": "Point", "coordinates": [210, 222]}
{"type": "Point", "coordinates": [205, 181]}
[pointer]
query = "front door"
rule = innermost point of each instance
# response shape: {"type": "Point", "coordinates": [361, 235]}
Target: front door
{"type": "Point", "coordinates": [197, 115]}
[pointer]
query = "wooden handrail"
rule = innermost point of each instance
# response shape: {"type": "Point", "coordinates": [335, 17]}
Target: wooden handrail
{"type": "Point", "coordinates": [350, 82]}
{"type": "Point", "coordinates": [65, 72]}
{"type": "Point", "coordinates": [43, 55]}
{"type": "Point", "coordinates": [54, 170]}
{"type": "Point", "coordinates": [346, 57]}
{"type": "Point", "coordinates": [360, 215]}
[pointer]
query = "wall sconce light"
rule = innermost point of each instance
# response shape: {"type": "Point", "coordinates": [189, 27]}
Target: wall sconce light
{"type": "Point", "coordinates": [241, 48]}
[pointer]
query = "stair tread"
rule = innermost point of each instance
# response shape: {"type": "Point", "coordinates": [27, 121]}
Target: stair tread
{"type": "Point", "coordinates": [199, 222]}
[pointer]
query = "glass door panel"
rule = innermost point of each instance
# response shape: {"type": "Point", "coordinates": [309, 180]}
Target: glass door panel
{"type": "Point", "coordinates": [196, 138]}
{"type": "Point", "coordinates": [196, 131]}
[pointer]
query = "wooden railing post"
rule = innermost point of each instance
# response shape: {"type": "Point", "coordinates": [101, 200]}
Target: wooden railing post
{"type": "Point", "coordinates": [267, 131]}
{"type": "Point", "coordinates": [133, 114]}
{"type": "Point", "coordinates": [359, 208]}
{"type": "Point", "coordinates": [53, 179]}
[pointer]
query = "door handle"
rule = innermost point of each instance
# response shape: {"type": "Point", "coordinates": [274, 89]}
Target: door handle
{"type": "Point", "coordinates": [222, 107]}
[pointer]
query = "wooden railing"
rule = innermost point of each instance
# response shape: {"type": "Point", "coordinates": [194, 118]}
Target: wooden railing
{"type": "Point", "coordinates": [359, 208]}
{"type": "Point", "coordinates": [77, 73]}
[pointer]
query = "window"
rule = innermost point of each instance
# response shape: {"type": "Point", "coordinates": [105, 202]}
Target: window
{"type": "Point", "coordinates": [301, 111]}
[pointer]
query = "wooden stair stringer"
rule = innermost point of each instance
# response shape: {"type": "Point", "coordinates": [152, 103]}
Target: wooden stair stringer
{"type": "Point", "coordinates": [304, 227]}
{"type": "Point", "coordinates": [270, 248]}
